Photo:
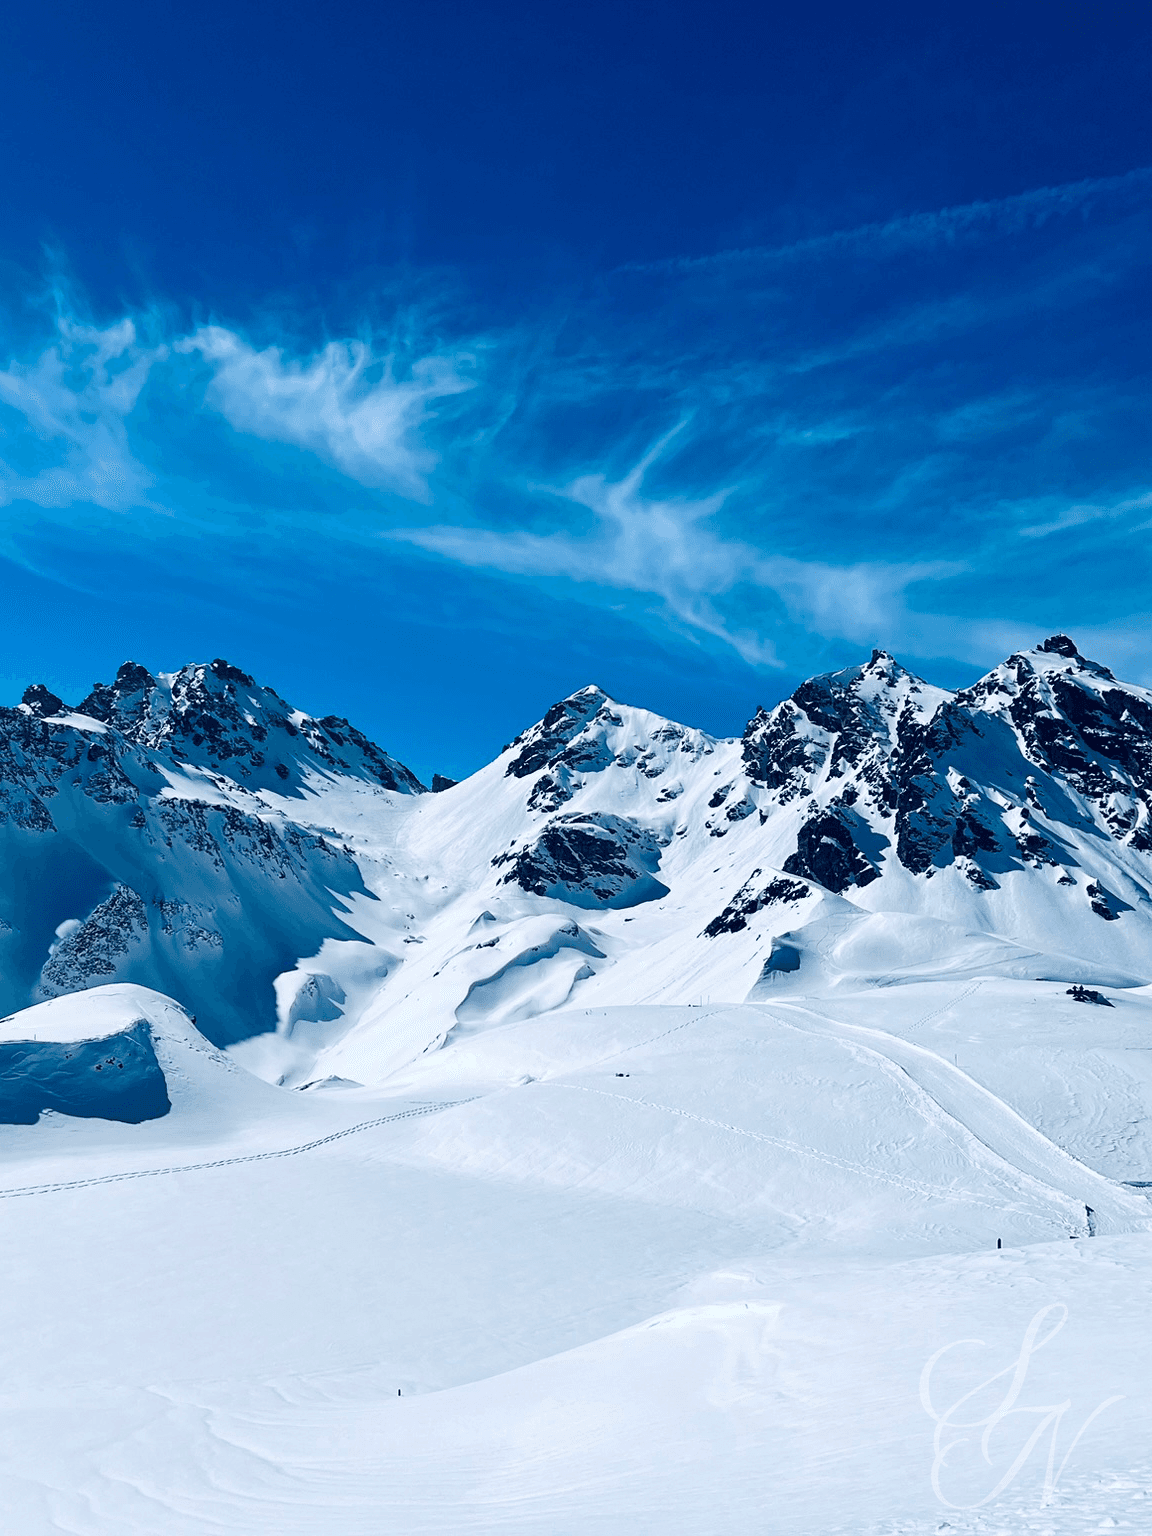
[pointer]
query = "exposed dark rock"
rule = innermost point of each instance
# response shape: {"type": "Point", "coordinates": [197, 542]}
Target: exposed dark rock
{"type": "Point", "coordinates": [217, 716]}
{"type": "Point", "coordinates": [1086, 995]}
{"type": "Point", "coordinates": [740, 810]}
{"type": "Point", "coordinates": [550, 792]}
{"type": "Point", "coordinates": [778, 754]}
{"type": "Point", "coordinates": [826, 852]}
{"type": "Point", "coordinates": [1104, 904]}
{"type": "Point", "coordinates": [441, 783]}
{"type": "Point", "coordinates": [980, 878]}
{"type": "Point", "coordinates": [41, 700]}
{"type": "Point", "coordinates": [546, 740]}
{"type": "Point", "coordinates": [96, 949]}
{"type": "Point", "coordinates": [749, 900]}
{"type": "Point", "coordinates": [1058, 645]}
{"type": "Point", "coordinates": [591, 860]}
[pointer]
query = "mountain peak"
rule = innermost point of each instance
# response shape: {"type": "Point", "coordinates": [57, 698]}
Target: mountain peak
{"type": "Point", "coordinates": [1055, 661]}
{"type": "Point", "coordinates": [131, 676]}
{"type": "Point", "coordinates": [124, 702]}
{"type": "Point", "coordinates": [215, 716]}
{"type": "Point", "coordinates": [1055, 653]}
{"type": "Point", "coordinates": [1059, 645]}
{"type": "Point", "coordinates": [41, 700]}
{"type": "Point", "coordinates": [566, 718]}
{"type": "Point", "coordinates": [227, 673]}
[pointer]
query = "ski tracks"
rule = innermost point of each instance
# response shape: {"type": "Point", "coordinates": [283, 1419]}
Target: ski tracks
{"type": "Point", "coordinates": [797, 1149]}
{"type": "Point", "coordinates": [947, 1007]}
{"type": "Point", "coordinates": [1010, 1139]}
{"type": "Point", "coordinates": [231, 1162]}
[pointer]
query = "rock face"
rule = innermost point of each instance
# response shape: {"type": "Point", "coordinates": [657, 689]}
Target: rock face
{"type": "Point", "coordinates": [195, 834]}
{"type": "Point", "coordinates": [979, 779]}
{"type": "Point", "coordinates": [589, 860]}
{"type": "Point", "coordinates": [216, 716]}
{"type": "Point", "coordinates": [95, 950]}
{"type": "Point", "coordinates": [753, 897]}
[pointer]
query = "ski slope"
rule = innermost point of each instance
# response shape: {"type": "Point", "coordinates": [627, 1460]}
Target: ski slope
{"type": "Point", "coordinates": [630, 1268]}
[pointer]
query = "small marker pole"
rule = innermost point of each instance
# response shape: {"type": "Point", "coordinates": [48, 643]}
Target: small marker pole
{"type": "Point", "coordinates": [999, 1244]}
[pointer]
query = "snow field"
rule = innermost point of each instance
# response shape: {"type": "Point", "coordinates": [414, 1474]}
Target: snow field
{"type": "Point", "coordinates": [697, 1297]}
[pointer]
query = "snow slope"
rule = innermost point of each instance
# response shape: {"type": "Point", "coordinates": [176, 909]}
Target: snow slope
{"type": "Point", "coordinates": [631, 1269]}
{"type": "Point", "coordinates": [899, 831]}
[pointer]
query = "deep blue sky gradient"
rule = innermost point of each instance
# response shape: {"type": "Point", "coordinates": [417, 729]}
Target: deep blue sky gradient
{"type": "Point", "coordinates": [432, 360]}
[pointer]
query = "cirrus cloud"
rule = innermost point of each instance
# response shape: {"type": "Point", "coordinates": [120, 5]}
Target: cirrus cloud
{"type": "Point", "coordinates": [74, 399]}
{"type": "Point", "coordinates": [345, 404]}
{"type": "Point", "coordinates": [710, 584]}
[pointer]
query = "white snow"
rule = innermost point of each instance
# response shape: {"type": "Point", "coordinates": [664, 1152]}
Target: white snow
{"type": "Point", "coordinates": [698, 1296]}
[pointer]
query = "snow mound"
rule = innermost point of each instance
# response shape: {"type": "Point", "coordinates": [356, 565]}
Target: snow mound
{"type": "Point", "coordinates": [95, 1055]}
{"type": "Point", "coordinates": [513, 969]}
{"type": "Point", "coordinates": [843, 948]}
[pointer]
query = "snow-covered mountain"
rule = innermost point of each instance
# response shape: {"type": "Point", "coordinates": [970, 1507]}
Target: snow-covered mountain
{"type": "Point", "coordinates": [291, 884]}
{"type": "Point", "coordinates": [659, 1105]}
{"type": "Point", "coordinates": [134, 844]}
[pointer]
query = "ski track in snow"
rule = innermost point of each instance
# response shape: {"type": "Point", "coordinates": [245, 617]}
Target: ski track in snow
{"type": "Point", "coordinates": [938, 1013]}
{"type": "Point", "coordinates": [845, 1165]}
{"type": "Point", "coordinates": [231, 1162]}
{"type": "Point", "coordinates": [987, 1119]}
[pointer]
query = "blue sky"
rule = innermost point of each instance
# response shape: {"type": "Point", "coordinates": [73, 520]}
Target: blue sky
{"type": "Point", "coordinates": [431, 361]}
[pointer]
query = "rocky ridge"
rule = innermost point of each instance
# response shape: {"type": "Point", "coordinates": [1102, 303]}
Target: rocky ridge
{"type": "Point", "coordinates": [201, 831]}
{"type": "Point", "coordinates": [135, 845]}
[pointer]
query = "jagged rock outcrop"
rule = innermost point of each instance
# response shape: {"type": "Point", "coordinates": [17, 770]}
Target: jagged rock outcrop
{"type": "Point", "coordinates": [216, 716]}
{"type": "Point", "coordinates": [752, 897]}
{"type": "Point", "coordinates": [947, 778]}
{"type": "Point", "coordinates": [590, 861]}
{"type": "Point", "coordinates": [97, 950]}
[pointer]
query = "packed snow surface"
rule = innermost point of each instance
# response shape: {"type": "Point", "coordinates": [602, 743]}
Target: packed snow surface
{"type": "Point", "coordinates": [650, 1133]}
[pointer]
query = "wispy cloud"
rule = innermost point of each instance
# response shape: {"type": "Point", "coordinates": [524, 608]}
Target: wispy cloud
{"type": "Point", "coordinates": [998, 216]}
{"type": "Point", "coordinates": [1087, 512]}
{"type": "Point", "coordinates": [345, 403]}
{"type": "Point", "coordinates": [74, 399]}
{"type": "Point", "coordinates": [669, 548]}
{"type": "Point", "coordinates": [867, 453]}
